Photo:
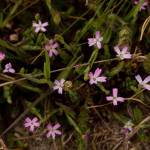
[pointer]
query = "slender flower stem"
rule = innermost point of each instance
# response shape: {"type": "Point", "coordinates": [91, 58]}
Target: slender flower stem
{"type": "Point", "coordinates": [28, 76]}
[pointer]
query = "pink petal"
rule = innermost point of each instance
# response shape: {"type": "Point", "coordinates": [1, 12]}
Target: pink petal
{"type": "Point", "coordinates": [49, 126]}
{"type": "Point", "coordinates": [50, 53]}
{"type": "Point", "coordinates": [97, 34]}
{"type": "Point", "coordinates": [37, 29]}
{"type": "Point", "coordinates": [48, 134]}
{"type": "Point", "coordinates": [8, 66]}
{"type": "Point", "coordinates": [35, 119]}
{"type": "Point", "coordinates": [31, 128]}
{"type": "Point", "coordinates": [40, 23]}
{"type": "Point", "coordinates": [62, 81]}
{"type": "Point", "coordinates": [36, 124]}
{"type": "Point", "coordinates": [58, 132]}
{"type": "Point", "coordinates": [127, 56]}
{"type": "Point", "coordinates": [92, 81]}
{"type": "Point", "coordinates": [53, 135]}
{"type": "Point", "coordinates": [11, 70]}
{"type": "Point", "coordinates": [97, 72]}
{"type": "Point", "coordinates": [27, 119]}
{"type": "Point", "coordinates": [120, 99]}
{"type": "Point", "coordinates": [27, 125]}
{"type": "Point", "coordinates": [101, 79]}
{"type": "Point", "coordinates": [60, 90]}
{"type": "Point", "coordinates": [91, 75]}
{"type": "Point", "coordinates": [56, 82]}
{"type": "Point", "coordinates": [146, 86]}
{"type": "Point", "coordinates": [109, 98]}
{"type": "Point", "coordinates": [147, 79]}
{"type": "Point", "coordinates": [54, 46]}
{"type": "Point", "coordinates": [117, 50]}
{"type": "Point", "coordinates": [99, 45]}
{"type": "Point", "coordinates": [115, 102]}
{"type": "Point", "coordinates": [55, 87]}
{"type": "Point", "coordinates": [45, 24]}
{"type": "Point", "coordinates": [55, 52]}
{"type": "Point", "coordinates": [35, 24]}
{"type": "Point", "coordinates": [138, 78]}
{"type": "Point", "coordinates": [125, 49]}
{"type": "Point", "coordinates": [115, 92]}
{"type": "Point", "coordinates": [56, 126]}
{"type": "Point", "coordinates": [43, 29]}
{"type": "Point", "coordinates": [91, 41]}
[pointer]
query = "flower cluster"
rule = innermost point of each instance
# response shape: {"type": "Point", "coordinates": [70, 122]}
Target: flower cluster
{"type": "Point", "coordinates": [51, 131]}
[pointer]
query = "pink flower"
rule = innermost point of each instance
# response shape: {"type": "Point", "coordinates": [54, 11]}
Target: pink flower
{"type": "Point", "coordinates": [8, 68]}
{"type": "Point", "coordinates": [143, 5]}
{"type": "Point", "coordinates": [31, 123]}
{"type": "Point", "coordinates": [2, 56]}
{"type": "Point", "coordinates": [122, 53]}
{"type": "Point", "coordinates": [114, 98]}
{"type": "Point", "coordinates": [51, 46]}
{"type": "Point", "coordinates": [39, 26]}
{"type": "Point", "coordinates": [53, 130]}
{"type": "Point", "coordinates": [94, 78]}
{"type": "Point", "coordinates": [143, 83]}
{"type": "Point", "coordinates": [59, 85]}
{"type": "Point", "coordinates": [96, 41]}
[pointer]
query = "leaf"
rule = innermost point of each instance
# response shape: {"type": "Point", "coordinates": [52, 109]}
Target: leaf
{"type": "Point", "coordinates": [56, 16]}
{"type": "Point", "coordinates": [120, 117]}
{"type": "Point", "coordinates": [116, 69]}
{"type": "Point", "coordinates": [137, 115]}
{"type": "Point", "coordinates": [72, 122]}
{"type": "Point", "coordinates": [47, 67]}
{"type": "Point", "coordinates": [90, 62]}
{"type": "Point", "coordinates": [30, 87]}
{"type": "Point", "coordinates": [66, 109]}
{"type": "Point", "coordinates": [7, 92]}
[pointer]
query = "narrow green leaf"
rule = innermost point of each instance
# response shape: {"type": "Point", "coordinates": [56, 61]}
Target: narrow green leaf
{"type": "Point", "coordinates": [72, 122]}
{"type": "Point", "coordinates": [47, 67]}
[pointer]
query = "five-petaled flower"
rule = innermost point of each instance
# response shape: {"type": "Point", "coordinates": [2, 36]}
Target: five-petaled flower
{"type": "Point", "coordinates": [143, 83]}
{"type": "Point", "coordinates": [122, 53]}
{"type": "Point", "coordinates": [95, 77]}
{"type": "Point", "coordinates": [51, 47]}
{"type": "Point", "coordinates": [8, 68]}
{"type": "Point", "coordinates": [114, 98]}
{"type": "Point", "coordinates": [96, 40]}
{"type": "Point", "coordinates": [39, 26]}
{"type": "Point", "coordinates": [53, 130]}
{"type": "Point", "coordinates": [31, 123]}
{"type": "Point", "coordinates": [143, 5]}
{"type": "Point", "coordinates": [59, 85]}
{"type": "Point", "coordinates": [2, 56]}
